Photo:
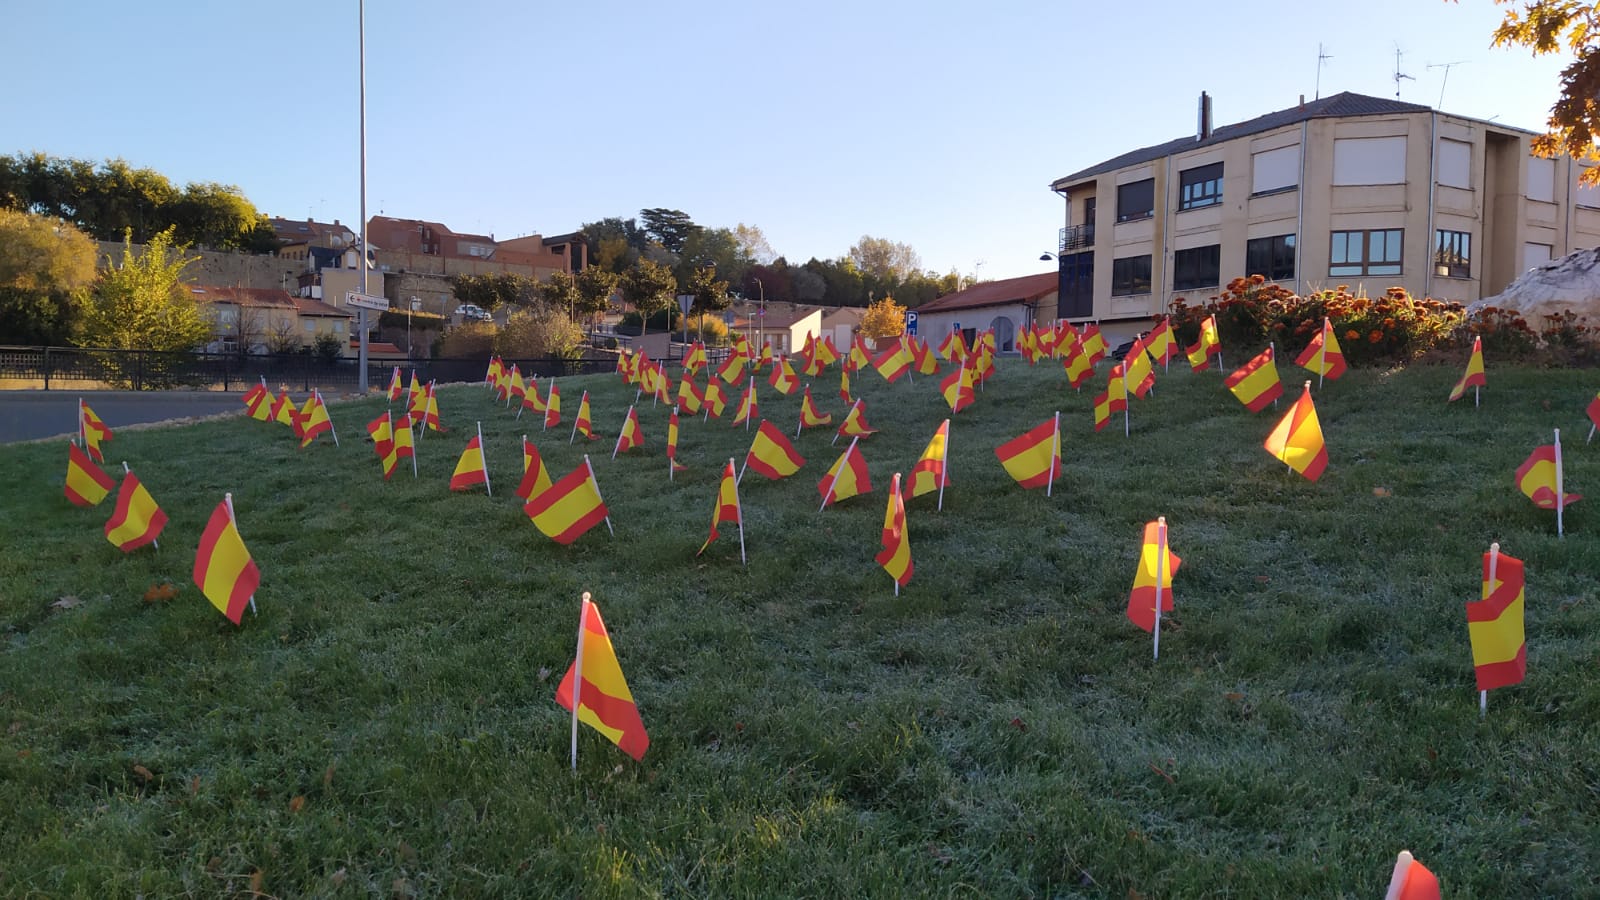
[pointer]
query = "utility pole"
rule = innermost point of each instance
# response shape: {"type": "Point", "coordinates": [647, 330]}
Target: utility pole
{"type": "Point", "coordinates": [361, 320]}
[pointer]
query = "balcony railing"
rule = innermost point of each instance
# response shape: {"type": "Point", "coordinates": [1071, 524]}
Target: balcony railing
{"type": "Point", "coordinates": [1077, 237]}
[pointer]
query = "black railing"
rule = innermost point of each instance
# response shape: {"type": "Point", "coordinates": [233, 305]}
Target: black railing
{"type": "Point", "coordinates": [151, 370]}
{"type": "Point", "coordinates": [1077, 237]}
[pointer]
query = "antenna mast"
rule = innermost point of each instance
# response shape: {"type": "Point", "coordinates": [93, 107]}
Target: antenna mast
{"type": "Point", "coordinates": [1397, 73]}
{"type": "Point", "coordinates": [1446, 68]}
{"type": "Point", "coordinates": [1321, 58]}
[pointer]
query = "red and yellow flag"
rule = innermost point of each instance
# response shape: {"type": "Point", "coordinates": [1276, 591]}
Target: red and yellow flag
{"type": "Point", "coordinates": [569, 507]}
{"type": "Point", "coordinates": [531, 400]}
{"type": "Point", "coordinates": [1160, 343]}
{"type": "Point", "coordinates": [1113, 399]}
{"type": "Point", "coordinates": [87, 484]}
{"type": "Point", "coordinates": [314, 420]}
{"type": "Point", "coordinates": [1157, 562]}
{"type": "Point", "coordinates": [1297, 438]}
{"type": "Point", "coordinates": [932, 473]}
{"type": "Point", "coordinates": [894, 362]}
{"type": "Point", "coordinates": [1323, 355]}
{"type": "Point", "coordinates": [1474, 376]}
{"type": "Point", "coordinates": [749, 408]}
{"type": "Point", "coordinates": [535, 477]}
{"type": "Point", "coordinates": [727, 505]}
{"type": "Point", "coordinates": [630, 437]}
{"type": "Point", "coordinates": [471, 468]}
{"type": "Point", "coordinates": [846, 478]}
{"type": "Point", "coordinates": [582, 424]}
{"type": "Point", "coordinates": [284, 411]}
{"type": "Point", "coordinates": [844, 385]}
{"type": "Point", "coordinates": [1495, 623]}
{"type": "Point", "coordinates": [855, 422]}
{"type": "Point", "coordinates": [94, 431]}
{"type": "Point", "coordinates": [1411, 880]}
{"type": "Point", "coordinates": [1137, 375]}
{"type": "Point", "coordinates": [395, 385]}
{"type": "Point", "coordinates": [413, 391]}
{"type": "Point", "coordinates": [552, 406]}
{"type": "Point", "coordinates": [716, 400]}
{"type": "Point", "coordinates": [430, 411]}
{"type": "Point", "coordinates": [859, 357]}
{"type": "Point", "coordinates": [1538, 476]}
{"type": "Point", "coordinates": [258, 402]}
{"type": "Point", "coordinates": [519, 388]}
{"type": "Point", "coordinates": [401, 448]}
{"type": "Point", "coordinates": [1256, 383]}
{"type": "Point", "coordinates": [1034, 457]}
{"type": "Point", "coordinates": [953, 347]}
{"type": "Point", "coordinates": [826, 351]}
{"type": "Point", "coordinates": [810, 416]}
{"type": "Point", "coordinates": [689, 397]}
{"type": "Point", "coordinates": [696, 359]}
{"type": "Point", "coordinates": [783, 378]}
{"type": "Point", "coordinates": [1077, 366]}
{"type": "Point", "coordinates": [771, 454]}
{"type": "Point", "coordinates": [896, 554]}
{"type": "Point", "coordinates": [1094, 343]}
{"type": "Point", "coordinates": [960, 388]}
{"type": "Point", "coordinates": [381, 430]}
{"type": "Point", "coordinates": [672, 443]}
{"type": "Point", "coordinates": [137, 520]}
{"type": "Point", "coordinates": [223, 569]}
{"type": "Point", "coordinates": [603, 699]}
{"type": "Point", "coordinates": [732, 369]}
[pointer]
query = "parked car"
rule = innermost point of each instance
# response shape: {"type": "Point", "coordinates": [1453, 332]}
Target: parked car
{"type": "Point", "coordinates": [469, 311]}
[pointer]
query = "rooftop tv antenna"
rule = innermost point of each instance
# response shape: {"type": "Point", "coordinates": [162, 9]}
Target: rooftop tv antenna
{"type": "Point", "coordinates": [1446, 68]}
{"type": "Point", "coordinates": [1321, 58]}
{"type": "Point", "coordinates": [1397, 73]}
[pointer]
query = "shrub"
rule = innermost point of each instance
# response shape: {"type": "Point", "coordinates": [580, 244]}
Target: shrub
{"type": "Point", "coordinates": [710, 329]}
{"type": "Point", "coordinates": [474, 339]}
{"type": "Point", "coordinates": [665, 319]}
{"type": "Point", "coordinates": [329, 347]}
{"type": "Point", "coordinates": [540, 333]}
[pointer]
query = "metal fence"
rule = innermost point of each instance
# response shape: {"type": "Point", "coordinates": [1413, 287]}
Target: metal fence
{"type": "Point", "coordinates": [151, 370]}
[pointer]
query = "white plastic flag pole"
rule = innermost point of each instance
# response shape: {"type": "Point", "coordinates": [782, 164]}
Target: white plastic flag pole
{"type": "Point", "coordinates": [847, 416]}
{"type": "Point", "coordinates": [1273, 346]}
{"type": "Point", "coordinates": [739, 509]}
{"type": "Point", "coordinates": [944, 468]}
{"type": "Point", "coordinates": [1561, 498]}
{"type": "Point", "coordinates": [575, 416]}
{"type": "Point", "coordinates": [1127, 400]}
{"type": "Point", "coordinates": [802, 423]}
{"type": "Point", "coordinates": [1055, 455]}
{"type": "Point", "coordinates": [577, 676]}
{"type": "Point", "coordinates": [548, 395]}
{"type": "Point", "coordinates": [596, 482]}
{"type": "Point", "coordinates": [1161, 574]}
{"type": "Point", "coordinates": [413, 449]}
{"type": "Point", "coordinates": [834, 478]}
{"type": "Point", "coordinates": [1322, 354]}
{"type": "Point", "coordinates": [1494, 562]}
{"type": "Point", "coordinates": [82, 441]}
{"type": "Point", "coordinates": [749, 413]}
{"type": "Point", "coordinates": [483, 455]}
{"type": "Point", "coordinates": [227, 500]}
{"type": "Point", "coordinates": [331, 430]}
{"type": "Point", "coordinates": [1475, 401]}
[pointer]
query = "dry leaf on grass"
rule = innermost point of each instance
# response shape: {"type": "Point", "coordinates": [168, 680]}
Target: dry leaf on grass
{"type": "Point", "coordinates": [67, 602]}
{"type": "Point", "coordinates": [143, 773]}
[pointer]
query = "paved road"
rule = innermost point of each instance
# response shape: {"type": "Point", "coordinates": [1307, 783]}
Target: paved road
{"type": "Point", "coordinates": [31, 415]}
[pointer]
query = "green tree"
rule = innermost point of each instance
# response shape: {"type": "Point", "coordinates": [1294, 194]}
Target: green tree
{"type": "Point", "coordinates": [46, 271]}
{"type": "Point", "coordinates": [213, 215]}
{"type": "Point", "coordinates": [595, 287]}
{"type": "Point", "coordinates": [710, 295]}
{"type": "Point", "coordinates": [883, 259]}
{"type": "Point", "coordinates": [561, 292]}
{"type": "Point", "coordinates": [614, 243]}
{"type": "Point", "coordinates": [649, 287]}
{"type": "Point", "coordinates": [1554, 26]}
{"type": "Point", "coordinates": [717, 247]}
{"type": "Point", "coordinates": [668, 227]}
{"type": "Point", "coordinates": [542, 332]}
{"type": "Point", "coordinates": [143, 304]}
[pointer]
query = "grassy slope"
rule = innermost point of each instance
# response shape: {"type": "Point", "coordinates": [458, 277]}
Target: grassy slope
{"type": "Point", "coordinates": [999, 729]}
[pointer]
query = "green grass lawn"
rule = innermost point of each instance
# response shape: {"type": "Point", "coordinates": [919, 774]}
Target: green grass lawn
{"type": "Point", "coordinates": [386, 724]}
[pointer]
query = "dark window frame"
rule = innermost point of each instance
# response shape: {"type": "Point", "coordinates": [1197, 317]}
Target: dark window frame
{"type": "Point", "coordinates": [1365, 264]}
{"type": "Point", "coordinates": [1130, 276]}
{"type": "Point", "coordinates": [1272, 257]}
{"type": "Point", "coordinates": [1452, 253]}
{"type": "Point", "coordinates": [1197, 267]}
{"type": "Point", "coordinates": [1130, 195]}
{"type": "Point", "coordinates": [1200, 186]}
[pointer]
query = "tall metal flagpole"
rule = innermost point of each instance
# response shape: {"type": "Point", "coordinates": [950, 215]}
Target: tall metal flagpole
{"type": "Point", "coordinates": [361, 312]}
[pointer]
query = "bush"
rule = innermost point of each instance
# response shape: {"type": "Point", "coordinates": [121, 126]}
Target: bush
{"type": "Point", "coordinates": [667, 319]}
{"type": "Point", "coordinates": [329, 347]}
{"type": "Point", "coordinates": [540, 333]}
{"type": "Point", "coordinates": [710, 329]}
{"type": "Point", "coordinates": [474, 339]}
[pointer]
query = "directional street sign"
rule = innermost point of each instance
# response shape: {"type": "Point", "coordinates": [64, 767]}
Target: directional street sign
{"type": "Point", "coordinates": [365, 301]}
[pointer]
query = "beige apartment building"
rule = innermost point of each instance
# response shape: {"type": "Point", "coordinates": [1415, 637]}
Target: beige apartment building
{"type": "Point", "coordinates": [1346, 190]}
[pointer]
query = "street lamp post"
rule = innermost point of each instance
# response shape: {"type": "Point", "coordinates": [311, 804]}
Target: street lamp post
{"type": "Point", "coordinates": [361, 322]}
{"type": "Point", "coordinates": [416, 304]}
{"type": "Point", "coordinates": [761, 316]}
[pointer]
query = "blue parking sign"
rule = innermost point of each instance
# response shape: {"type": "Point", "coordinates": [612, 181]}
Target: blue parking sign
{"type": "Point", "coordinates": [911, 321]}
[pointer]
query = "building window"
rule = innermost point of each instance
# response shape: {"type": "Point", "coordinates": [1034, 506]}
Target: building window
{"type": "Point", "coordinates": [338, 327]}
{"type": "Point", "coordinates": [1363, 161]}
{"type": "Point", "coordinates": [1275, 170]}
{"type": "Point", "coordinates": [1201, 186]}
{"type": "Point", "coordinates": [311, 327]}
{"type": "Point", "coordinates": [1136, 200]}
{"type": "Point", "coordinates": [1452, 254]}
{"type": "Point", "coordinates": [1365, 252]}
{"type": "Point", "coordinates": [1536, 255]}
{"type": "Point", "coordinates": [1197, 267]}
{"type": "Point", "coordinates": [1130, 276]}
{"type": "Point", "coordinates": [1541, 179]}
{"type": "Point", "coordinates": [1455, 163]}
{"type": "Point", "coordinates": [1270, 257]}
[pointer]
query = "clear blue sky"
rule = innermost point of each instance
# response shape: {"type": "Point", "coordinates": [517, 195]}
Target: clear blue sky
{"type": "Point", "coordinates": [936, 124]}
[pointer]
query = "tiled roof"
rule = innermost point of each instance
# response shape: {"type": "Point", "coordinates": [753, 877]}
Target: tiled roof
{"type": "Point", "coordinates": [261, 297]}
{"type": "Point", "coordinates": [1343, 105]}
{"type": "Point", "coordinates": [1026, 289]}
{"type": "Point", "coordinates": [312, 307]}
